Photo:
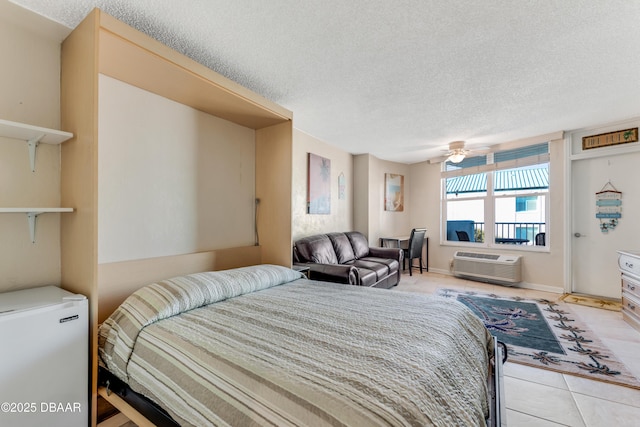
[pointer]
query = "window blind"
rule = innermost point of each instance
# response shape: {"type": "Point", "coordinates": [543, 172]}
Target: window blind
{"type": "Point", "coordinates": [506, 159]}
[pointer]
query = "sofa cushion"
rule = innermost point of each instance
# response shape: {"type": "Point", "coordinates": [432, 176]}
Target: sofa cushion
{"type": "Point", "coordinates": [342, 247]}
{"type": "Point", "coordinates": [359, 243]}
{"type": "Point", "coordinates": [393, 265]}
{"type": "Point", "coordinates": [318, 249]}
{"type": "Point", "coordinates": [367, 277]}
{"type": "Point", "coordinates": [381, 270]}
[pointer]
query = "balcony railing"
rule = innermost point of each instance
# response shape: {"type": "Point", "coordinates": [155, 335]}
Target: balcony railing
{"type": "Point", "coordinates": [521, 233]}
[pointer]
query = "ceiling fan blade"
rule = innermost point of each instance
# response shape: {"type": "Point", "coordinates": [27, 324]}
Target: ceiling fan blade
{"type": "Point", "coordinates": [438, 159]}
{"type": "Point", "coordinates": [480, 149]}
{"type": "Point", "coordinates": [467, 153]}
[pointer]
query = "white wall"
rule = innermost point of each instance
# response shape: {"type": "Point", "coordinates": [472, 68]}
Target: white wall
{"type": "Point", "coordinates": [172, 180]}
{"type": "Point", "coordinates": [594, 258]}
{"type": "Point", "coordinates": [341, 216]}
{"type": "Point", "coordinates": [30, 88]}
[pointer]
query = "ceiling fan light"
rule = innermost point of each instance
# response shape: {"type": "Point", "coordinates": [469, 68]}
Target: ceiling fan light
{"type": "Point", "coordinates": [456, 157]}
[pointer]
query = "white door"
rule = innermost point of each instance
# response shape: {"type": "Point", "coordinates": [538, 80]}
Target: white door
{"type": "Point", "coordinates": [594, 268]}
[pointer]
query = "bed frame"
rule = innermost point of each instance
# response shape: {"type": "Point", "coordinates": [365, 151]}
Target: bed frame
{"type": "Point", "coordinates": [134, 406]}
{"type": "Point", "coordinates": [497, 408]}
{"type": "Point", "coordinates": [145, 413]}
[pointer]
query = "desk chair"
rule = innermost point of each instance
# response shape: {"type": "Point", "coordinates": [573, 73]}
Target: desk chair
{"type": "Point", "coordinates": [540, 239]}
{"type": "Point", "coordinates": [463, 236]}
{"type": "Point", "coordinates": [414, 248]}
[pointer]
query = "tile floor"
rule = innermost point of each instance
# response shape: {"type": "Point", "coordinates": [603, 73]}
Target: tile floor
{"type": "Point", "coordinates": [540, 398]}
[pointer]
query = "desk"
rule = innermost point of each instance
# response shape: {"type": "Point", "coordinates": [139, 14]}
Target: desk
{"type": "Point", "coordinates": [511, 241]}
{"type": "Point", "coordinates": [403, 243]}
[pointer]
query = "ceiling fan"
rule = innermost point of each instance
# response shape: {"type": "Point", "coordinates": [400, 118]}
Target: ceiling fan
{"type": "Point", "coordinates": [457, 153]}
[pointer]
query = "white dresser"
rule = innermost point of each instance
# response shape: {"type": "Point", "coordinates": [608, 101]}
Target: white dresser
{"type": "Point", "coordinates": [629, 262]}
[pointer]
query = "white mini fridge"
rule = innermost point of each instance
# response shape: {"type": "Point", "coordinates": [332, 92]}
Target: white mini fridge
{"type": "Point", "coordinates": [44, 352]}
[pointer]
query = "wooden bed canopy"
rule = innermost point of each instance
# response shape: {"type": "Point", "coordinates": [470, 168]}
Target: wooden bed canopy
{"type": "Point", "coordinates": [103, 45]}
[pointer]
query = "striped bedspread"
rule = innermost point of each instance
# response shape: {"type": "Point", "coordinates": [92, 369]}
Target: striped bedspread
{"type": "Point", "coordinates": [259, 346]}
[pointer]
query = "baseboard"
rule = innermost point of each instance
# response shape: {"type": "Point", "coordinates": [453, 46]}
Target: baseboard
{"type": "Point", "coordinates": [539, 287]}
{"type": "Point", "coordinates": [521, 285]}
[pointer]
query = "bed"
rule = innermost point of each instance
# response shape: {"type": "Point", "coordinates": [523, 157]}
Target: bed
{"type": "Point", "coordinates": [262, 345]}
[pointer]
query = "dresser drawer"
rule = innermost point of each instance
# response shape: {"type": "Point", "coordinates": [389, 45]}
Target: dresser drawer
{"type": "Point", "coordinates": [631, 285]}
{"type": "Point", "coordinates": [629, 264]}
{"type": "Point", "coordinates": [630, 304]}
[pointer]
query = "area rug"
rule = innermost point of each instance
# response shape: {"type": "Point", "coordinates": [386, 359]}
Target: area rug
{"type": "Point", "coordinates": [545, 334]}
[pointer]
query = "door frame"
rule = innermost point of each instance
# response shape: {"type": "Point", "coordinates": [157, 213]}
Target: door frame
{"type": "Point", "coordinates": [573, 152]}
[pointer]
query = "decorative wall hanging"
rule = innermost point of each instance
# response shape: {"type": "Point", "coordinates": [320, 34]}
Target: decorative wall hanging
{"type": "Point", "coordinates": [393, 192]}
{"type": "Point", "coordinates": [610, 138]}
{"type": "Point", "coordinates": [608, 207]}
{"type": "Point", "coordinates": [341, 186]}
{"type": "Point", "coordinates": [319, 185]}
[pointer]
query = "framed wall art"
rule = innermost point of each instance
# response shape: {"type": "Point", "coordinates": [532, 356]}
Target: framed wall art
{"type": "Point", "coordinates": [608, 207]}
{"type": "Point", "coordinates": [393, 192]}
{"type": "Point", "coordinates": [319, 185]}
{"type": "Point", "coordinates": [610, 138]}
{"type": "Point", "coordinates": [342, 184]}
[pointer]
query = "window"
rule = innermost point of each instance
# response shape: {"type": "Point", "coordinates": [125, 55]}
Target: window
{"type": "Point", "coordinates": [498, 199]}
{"type": "Point", "coordinates": [528, 203]}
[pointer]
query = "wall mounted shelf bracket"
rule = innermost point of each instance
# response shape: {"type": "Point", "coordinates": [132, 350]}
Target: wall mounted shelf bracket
{"type": "Point", "coordinates": [32, 216]}
{"type": "Point", "coordinates": [33, 144]}
{"type": "Point", "coordinates": [33, 135]}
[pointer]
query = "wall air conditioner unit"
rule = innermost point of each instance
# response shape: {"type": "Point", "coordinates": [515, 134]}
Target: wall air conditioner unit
{"type": "Point", "coordinates": [491, 268]}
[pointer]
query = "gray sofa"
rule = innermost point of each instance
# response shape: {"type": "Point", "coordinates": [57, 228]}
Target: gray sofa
{"type": "Point", "coordinates": [347, 258]}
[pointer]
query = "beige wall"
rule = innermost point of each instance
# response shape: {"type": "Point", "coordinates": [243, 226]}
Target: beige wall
{"type": "Point", "coordinates": [361, 193]}
{"type": "Point", "coordinates": [372, 219]}
{"type": "Point", "coordinates": [30, 88]}
{"type": "Point", "coordinates": [341, 217]}
{"type": "Point", "coordinates": [389, 223]}
{"type": "Point", "coordinates": [542, 270]}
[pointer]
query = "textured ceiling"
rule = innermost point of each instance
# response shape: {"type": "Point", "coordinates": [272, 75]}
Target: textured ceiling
{"type": "Point", "coordinates": [400, 79]}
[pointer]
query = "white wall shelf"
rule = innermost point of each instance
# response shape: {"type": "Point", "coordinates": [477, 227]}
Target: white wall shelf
{"type": "Point", "coordinates": [33, 135]}
{"type": "Point", "coordinates": [32, 215]}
